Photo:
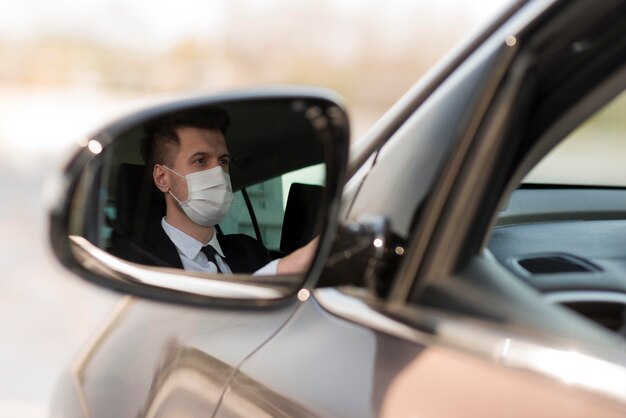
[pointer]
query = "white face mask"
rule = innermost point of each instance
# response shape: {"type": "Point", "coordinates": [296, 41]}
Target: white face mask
{"type": "Point", "coordinates": [210, 196]}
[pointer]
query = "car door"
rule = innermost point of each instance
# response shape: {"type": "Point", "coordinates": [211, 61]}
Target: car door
{"type": "Point", "coordinates": [435, 326]}
{"type": "Point", "coordinates": [152, 359]}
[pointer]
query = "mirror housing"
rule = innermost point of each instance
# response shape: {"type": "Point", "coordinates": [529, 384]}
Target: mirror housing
{"type": "Point", "coordinates": [272, 132]}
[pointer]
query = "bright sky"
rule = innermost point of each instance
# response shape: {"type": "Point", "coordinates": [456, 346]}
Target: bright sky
{"type": "Point", "coordinates": [62, 116]}
{"type": "Point", "coordinates": [163, 22]}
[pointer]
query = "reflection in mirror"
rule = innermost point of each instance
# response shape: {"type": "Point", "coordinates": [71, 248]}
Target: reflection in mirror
{"type": "Point", "coordinates": [231, 188]}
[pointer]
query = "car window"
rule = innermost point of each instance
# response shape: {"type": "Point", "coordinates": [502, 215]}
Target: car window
{"type": "Point", "coordinates": [592, 155]}
{"type": "Point", "coordinates": [561, 232]}
{"type": "Point", "coordinates": [552, 245]}
{"type": "Point", "coordinates": [268, 201]}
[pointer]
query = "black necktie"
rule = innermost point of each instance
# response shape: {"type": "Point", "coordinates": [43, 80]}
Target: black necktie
{"type": "Point", "coordinates": [210, 255]}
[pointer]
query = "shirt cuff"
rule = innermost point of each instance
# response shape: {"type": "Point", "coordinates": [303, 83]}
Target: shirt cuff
{"type": "Point", "coordinates": [270, 269]}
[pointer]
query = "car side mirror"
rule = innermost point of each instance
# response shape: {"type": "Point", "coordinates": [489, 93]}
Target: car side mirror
{"type": "Point", "coordinates": [288, 154]}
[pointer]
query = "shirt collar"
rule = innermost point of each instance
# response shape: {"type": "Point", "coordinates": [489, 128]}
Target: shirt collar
{"type": "Point", "coordinates": [188, 245]}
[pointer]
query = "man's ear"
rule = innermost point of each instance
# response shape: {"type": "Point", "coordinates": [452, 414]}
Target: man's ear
{"type": "Point", "coordinates": [161, 178]}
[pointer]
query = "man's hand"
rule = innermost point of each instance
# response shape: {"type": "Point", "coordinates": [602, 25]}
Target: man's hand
{"type": "Point", "coordinates": [299, 260]}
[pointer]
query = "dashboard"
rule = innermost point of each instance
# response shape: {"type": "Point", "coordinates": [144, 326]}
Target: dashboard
{"type": "Point", "coordinates": [569, 243]}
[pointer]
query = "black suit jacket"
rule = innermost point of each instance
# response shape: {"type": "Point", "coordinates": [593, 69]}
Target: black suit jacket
{"type": "Point", "coordinates": [244, 254]}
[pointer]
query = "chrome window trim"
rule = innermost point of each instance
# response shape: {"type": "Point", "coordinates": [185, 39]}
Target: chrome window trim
{"type": "Point", "coordinates": [353, 309]}
{"type": "Point", "coordinates": [586, 370]}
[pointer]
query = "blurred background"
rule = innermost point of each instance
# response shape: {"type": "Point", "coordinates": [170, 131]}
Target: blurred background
{"type": "Point", "coordinates": [67, 67]}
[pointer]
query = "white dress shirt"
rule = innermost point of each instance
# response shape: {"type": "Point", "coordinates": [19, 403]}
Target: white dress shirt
{"type": "Point", "coordinates": [194, 259]}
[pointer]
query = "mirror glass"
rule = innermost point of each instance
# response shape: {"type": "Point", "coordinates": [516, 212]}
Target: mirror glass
{"type": "Point", "coordinates": [221, 200]}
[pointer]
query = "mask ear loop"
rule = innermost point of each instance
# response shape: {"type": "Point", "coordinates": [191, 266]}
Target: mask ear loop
{"type": "Point", "coordinates": [175, 198]}
{"type": "Point", "coordinates": [164, 166]}
{"type": "Point", "coordinates": [170, 191]}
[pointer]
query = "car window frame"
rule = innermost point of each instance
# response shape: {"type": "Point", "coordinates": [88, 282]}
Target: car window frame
{"type": "Point", "coordinates": [437, 258]}
{"type": "Point", "coordinates": [455, 255]}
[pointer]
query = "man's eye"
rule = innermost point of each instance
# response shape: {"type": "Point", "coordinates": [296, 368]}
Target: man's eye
{"type": "Point", "coordinates": [224, 161]}
{"type": "Point", "coordinates": [199, 161]}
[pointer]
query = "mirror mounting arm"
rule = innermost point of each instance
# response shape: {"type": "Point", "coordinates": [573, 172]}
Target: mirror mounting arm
{"type": "Point", "coordinates": [363, 254]}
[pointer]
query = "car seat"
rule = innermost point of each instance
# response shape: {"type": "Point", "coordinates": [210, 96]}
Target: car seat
{"type": "Point", "coordinates": [301, 219]}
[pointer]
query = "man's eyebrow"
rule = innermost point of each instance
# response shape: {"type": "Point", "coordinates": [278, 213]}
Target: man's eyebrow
{"type": "Point", "coordinates": [204, 154]}
{"type": "Point", "coordinates": [198, 154]}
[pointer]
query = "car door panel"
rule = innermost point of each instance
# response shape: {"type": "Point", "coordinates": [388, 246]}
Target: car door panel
{"type": "Point", "coordinates": [182, 365]}
{"type": "Point", "coordinates": [318, 365]}
{"type": "Point", "coordinates": [381, 367]}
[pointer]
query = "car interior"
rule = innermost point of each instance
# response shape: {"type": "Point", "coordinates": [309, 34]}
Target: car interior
{"type": "Point", "coordinates": [278, 196]}
{"type": "Point", "coordinates": [563, 231]}
{"type": "Point", "coordinates": [561, 224]}
{"type": "Point", "coordinates": [138, 203]}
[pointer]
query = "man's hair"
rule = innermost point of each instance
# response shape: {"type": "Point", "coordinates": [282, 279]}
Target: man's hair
{"type": "Point", "coordinates": [161, 137]}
